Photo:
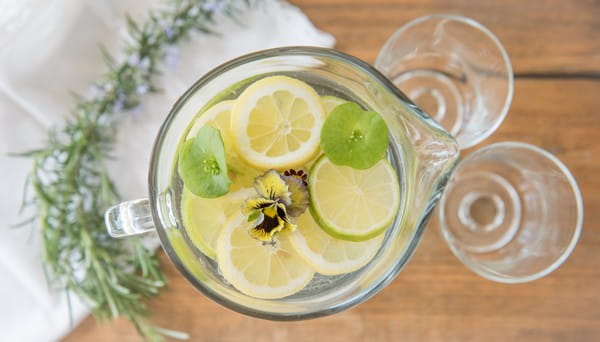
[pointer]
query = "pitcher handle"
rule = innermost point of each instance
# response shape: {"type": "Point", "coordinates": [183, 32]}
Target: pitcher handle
{"type": "Point", "coordinates": [129, 218]}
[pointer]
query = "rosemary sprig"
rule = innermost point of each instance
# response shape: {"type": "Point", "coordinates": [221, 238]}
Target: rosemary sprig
{"type": "Point", "coordinates": [69, 187]}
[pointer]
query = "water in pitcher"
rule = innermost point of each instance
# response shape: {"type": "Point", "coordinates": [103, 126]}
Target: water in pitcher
{"type": "Point", "coordinates": [280, 188]}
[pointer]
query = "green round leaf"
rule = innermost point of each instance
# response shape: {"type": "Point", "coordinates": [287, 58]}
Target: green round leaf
{"type": "Point", "coordinates": [202, 165]}
{"type": "Point", "coordinates": [354, 137]}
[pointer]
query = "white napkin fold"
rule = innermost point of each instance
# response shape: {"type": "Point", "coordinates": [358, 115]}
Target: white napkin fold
{"type": "Point", "coordinates": [49, 50]}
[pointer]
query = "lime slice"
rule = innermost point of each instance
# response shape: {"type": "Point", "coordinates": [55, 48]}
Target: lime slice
{"type": "Point", "coordinates": [204, 218]}
{"type": "Point", "coordinates": [352, 204]}
{"type": "Point", "coordinates": [328, 255]}
{"type": "Point", "coordinates": [276, 123]}
{"type": "Point", "coordinates": [354, 137]}
{"type": "Point", "coordinates": [258, 269]}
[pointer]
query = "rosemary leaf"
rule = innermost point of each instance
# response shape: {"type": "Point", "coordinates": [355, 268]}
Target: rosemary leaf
{"type": "Point", "coordinates": [69, 188]}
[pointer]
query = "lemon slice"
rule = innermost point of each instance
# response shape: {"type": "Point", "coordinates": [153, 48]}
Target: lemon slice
{"type": "Point", "coordinates": [276, 123]}
{"type": "Point", "coordinates": [330, 102]}
{"type": "Point", "coordinates": [204, 218]}
{"type": "Point", "coordinates": [257, 269]}
{"type": "Point", "coordinates": [328, 255]}
{"type": "Point", "coordinates": [352, 204]}
{"type": "Point", "coordinates": [218, 117]}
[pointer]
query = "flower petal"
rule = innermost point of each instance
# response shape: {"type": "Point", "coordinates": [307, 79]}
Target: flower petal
{"type": "Point", "coordinates": [270, 225]}
{"type": "Point", "coordinates": [282, 213]}
{"type": "Point", "coordinates": [298, 195]}
{"type": "Point", "coordinates": [270, 185]}
{"type": "Point", "coordinates": [256, 203]}
{"type": "Point", "coordinates": [273, 220]}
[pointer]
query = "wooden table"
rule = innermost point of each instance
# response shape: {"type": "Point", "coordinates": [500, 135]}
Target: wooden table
{"type": "Point", "coordinates": [555, 50]}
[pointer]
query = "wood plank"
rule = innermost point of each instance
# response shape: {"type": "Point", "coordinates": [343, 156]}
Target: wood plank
{"type": "Point", "coordinates": [544, 36]}
{"type": "Point", "coordinates": [435, 298]}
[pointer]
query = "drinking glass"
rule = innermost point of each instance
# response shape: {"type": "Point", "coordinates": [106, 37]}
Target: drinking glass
{"type": "Point", "coordinates": [453, 68]}
{"type": "Point", "coordinates": [422, 153]}
{"type": "Point", "coordinates": [511, 212]}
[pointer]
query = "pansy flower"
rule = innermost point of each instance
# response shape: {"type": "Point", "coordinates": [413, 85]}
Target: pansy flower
{"type": "Point", "coordinates": [279, 198]}
{"type": "Point", "coordinates": [297, 185]}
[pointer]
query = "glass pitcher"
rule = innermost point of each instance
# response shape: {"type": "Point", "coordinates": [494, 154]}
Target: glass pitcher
{"type": "Point", "coordinates": [422, 153]}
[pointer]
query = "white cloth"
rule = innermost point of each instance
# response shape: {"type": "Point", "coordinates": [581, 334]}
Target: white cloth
{"type": "Point", "coordinates": [51, 47]}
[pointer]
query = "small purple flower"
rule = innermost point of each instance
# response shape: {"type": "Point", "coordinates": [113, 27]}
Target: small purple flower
{"type": "Point", "coordinates": [144, 63]}
{"type": "Point", "coordinates": [133, 59]}
{"type": "Point", "coordinates": [168, 29]}
{"type": "Point", "coordinates": [213, 6]}
{"type": "Point", "coordinates": [172, 57]}
{"type": "Point", "coordinates": [142, 89]}
{"type": "Point", "coordinates": [119, 103]}
{"type": "Point", "coordinates": [193, 11]}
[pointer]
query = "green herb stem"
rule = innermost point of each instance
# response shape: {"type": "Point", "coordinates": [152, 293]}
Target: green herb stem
{"type": "Point", "coordinates": [70, 188]}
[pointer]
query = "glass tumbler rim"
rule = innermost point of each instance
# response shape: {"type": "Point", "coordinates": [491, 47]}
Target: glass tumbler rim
{"type": "Point", "coordinates": [375, 285]}
{"type": "Point", "coordinates": [577, 227]}
{"type": "Point", "coordinates": [478, 26]}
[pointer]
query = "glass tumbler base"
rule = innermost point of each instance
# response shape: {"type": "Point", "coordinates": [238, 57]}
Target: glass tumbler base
{"type": "Point", "coordinates": [483, 211]}
{"type": "Point", "coordinates": [436, 93]}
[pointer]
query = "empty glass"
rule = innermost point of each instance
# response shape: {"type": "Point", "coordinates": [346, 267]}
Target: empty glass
{"type": "Point", "coordinates": [454, 69]}
{"type": "Point", "coordinates": [511, 212]}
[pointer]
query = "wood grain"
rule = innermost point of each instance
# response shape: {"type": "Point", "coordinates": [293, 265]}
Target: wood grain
{"type": "Point", "coordinates": [541, 37]}
{"type": "Point", "coordinates": [435, 298]}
